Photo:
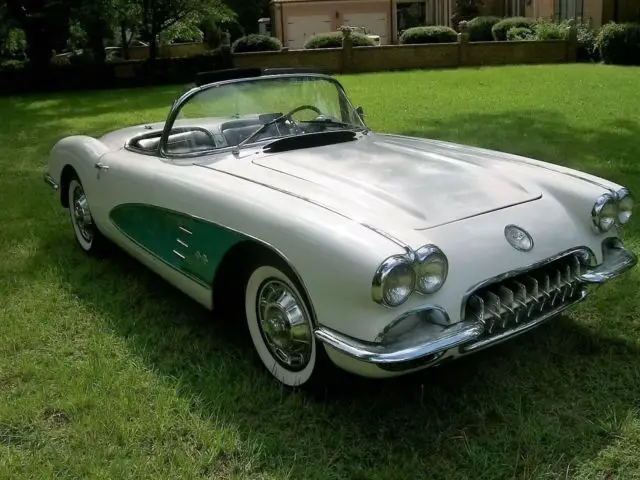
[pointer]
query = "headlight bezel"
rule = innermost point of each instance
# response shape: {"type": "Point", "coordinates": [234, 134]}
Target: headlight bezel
{"type": "Point", "coordinates": [429, 254]}
{"type": "Point", "coordinates": [383, 272]}
{"type": "Point", "coordinates": [623, 195]}
{"type": "Point", "coordinates": [615, 200]}
{"type": "Point", "coordinates": [412, 259]}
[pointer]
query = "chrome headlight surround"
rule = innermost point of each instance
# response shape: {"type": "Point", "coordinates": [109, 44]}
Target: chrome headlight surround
{"type": "Point", "coordinates": [394, 281]}
{"type": "Point", "coordinates": [625, 206]}
{"type": "Point", "coordinates": [612, 209]}
{"type": "Point", "coordinates": [432, 268]}
{"type": "Point", "coordinates": [604, 213]}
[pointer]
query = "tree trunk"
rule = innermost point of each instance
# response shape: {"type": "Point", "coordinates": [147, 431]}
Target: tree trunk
{"type": "Point", "coordinates": [153, 42]}
{"type": "Point", "coordinates": [124, 41]}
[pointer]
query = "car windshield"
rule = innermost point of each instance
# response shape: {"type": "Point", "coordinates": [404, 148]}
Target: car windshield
{"type": "Point", "coordinates": [239, 113]}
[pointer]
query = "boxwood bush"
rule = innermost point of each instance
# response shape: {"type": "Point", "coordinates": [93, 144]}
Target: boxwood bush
{"type": "Point", "coordinates": [334, 40]}
{"type": "Point", "coordinates": [619, 43]}
{"type": "Point", "coordinates": [551, 31]}
{"type": "Point", "coordinates": [480, 29]}
{"type": "Point", "coordinates": [520, 33]}
{"type": "Point", "coordinates": [256, 43]}
{"type": "Point", "coordinates": [435, 34]}
{"type": "Point", "coordinates": [500, 29]}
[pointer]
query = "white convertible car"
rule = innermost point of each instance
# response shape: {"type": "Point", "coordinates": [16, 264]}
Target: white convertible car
{"type": "Point", "coordinates": [265, 194]}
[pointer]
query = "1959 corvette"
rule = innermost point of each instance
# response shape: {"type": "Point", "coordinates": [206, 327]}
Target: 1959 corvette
{"type": "Point", "coordinates": [265, 191]}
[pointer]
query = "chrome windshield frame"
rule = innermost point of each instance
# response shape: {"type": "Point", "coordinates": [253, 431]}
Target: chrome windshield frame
{"type": "Point", "coordinates": [179, 102]}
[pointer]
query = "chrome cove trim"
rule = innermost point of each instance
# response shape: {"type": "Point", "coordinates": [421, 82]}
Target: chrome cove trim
{"type": "Point", "coordinates": [401, 352]}
{"type": "Point", "coordinates": [48, 179]}
{"type": "Point", "coordinates": [522, 328]}
{"type": "Point", "coordinates": [617, 260]}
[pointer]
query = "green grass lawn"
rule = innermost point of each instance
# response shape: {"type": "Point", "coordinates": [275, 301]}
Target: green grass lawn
{"type": "Point", "coordinates": [108, 372]}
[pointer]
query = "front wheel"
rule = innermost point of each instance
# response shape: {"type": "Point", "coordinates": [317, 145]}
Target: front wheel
{"type": "Point", "coordinates": [87, 234]}
{"type": "Point", "coordinates": [280, 325]}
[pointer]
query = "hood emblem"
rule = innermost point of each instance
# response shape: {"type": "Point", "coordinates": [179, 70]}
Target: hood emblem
{"type": "Point", "coordinates": [518, 238]}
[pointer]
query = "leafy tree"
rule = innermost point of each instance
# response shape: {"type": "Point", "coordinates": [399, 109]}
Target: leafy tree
{"type": "Point", "coordinates": [45, 24]}
{"type": "Point", "coordinates": [159, 15]}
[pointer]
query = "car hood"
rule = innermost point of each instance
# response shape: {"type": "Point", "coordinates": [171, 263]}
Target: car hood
{"type": "Point", "coordinates": [383, 180]}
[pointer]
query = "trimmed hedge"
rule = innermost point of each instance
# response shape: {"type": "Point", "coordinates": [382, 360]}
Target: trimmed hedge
{"type": "Point", "coordinates": [520, 33]}
{"type": "Point", "coordinates": [480, 29]}
{"type": "Point", "coordinates": [435, 34]}
{"type": "Point", "coordinates": [90, 76]}
{"type": "Point", "coordinates": [500, 29]}
{"type": "Point", "coordinates": [619, 43]}
{"type": "Point", "coordinates": [587, 50]}
{"type": "Point", "coordinates": [334, 40]}
{"type": "Point", "coordinates": [551, 31]}
{"type": "Point", "coordinates": [256, 43]}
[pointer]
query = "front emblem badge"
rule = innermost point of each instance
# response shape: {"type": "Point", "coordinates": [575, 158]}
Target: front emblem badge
{"type": "Point", "coordinates": [518, 238]}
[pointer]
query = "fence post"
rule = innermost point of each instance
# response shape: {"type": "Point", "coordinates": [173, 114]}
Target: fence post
{"type": "Point", "coordinates": [572, 42]}
{"type": "Point", "coordinates": [347, 49]}
{"type": "Point", "coordinates": [463, 43]}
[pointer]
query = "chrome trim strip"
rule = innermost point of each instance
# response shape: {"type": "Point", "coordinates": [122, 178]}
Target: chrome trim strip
{"type": "Point", "coordinates": [48, 179]}
{"type": "Point", "coordinates": [178, 254]}
{"type": "Point", "coordinates": [185, 245]}
{"type": "Point", "coordinates": [617, 260]}
{"type": "Point", "coordinates": [522, 328]}
{"type": "Point", "coordinates": [453, 336]}
{"type": "Point", "coordinates": [267, 245]}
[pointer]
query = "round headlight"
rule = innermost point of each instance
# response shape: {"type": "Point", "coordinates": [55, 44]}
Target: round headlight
{"type": "Point", "coordinates": [625, 206]}
{"type": "Point", "coordinates": [394, 281]}
{"type": "Point", "coordinates": [604, 213]}
{"type": "Point", "coordinates": [431, 269]}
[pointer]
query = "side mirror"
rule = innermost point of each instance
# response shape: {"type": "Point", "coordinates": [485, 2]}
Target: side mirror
{"type": "Point", "coordinates": [360, 112]}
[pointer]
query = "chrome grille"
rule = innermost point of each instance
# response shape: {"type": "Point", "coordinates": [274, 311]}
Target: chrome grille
{"type": "Point", "coordinates": [511, 303]}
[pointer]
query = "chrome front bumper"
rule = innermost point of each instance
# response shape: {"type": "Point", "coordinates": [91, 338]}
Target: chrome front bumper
{"type": "Point", "coordinates": [416, 351]}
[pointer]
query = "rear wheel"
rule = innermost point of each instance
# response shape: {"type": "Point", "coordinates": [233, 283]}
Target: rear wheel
{"type": "Point", "coordinates": [87, 235]}
{"type": "Point", "coordinates": [280, 324]}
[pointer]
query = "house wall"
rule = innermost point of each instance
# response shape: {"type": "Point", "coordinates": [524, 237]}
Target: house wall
{"type": "Point", "coordinates": [336, 13]}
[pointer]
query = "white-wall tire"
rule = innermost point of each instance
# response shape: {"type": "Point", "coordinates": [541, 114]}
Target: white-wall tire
{"type": "Point", "coordinates": [259, 279]}
{"type": "Point", "coordinates": [87, 234]}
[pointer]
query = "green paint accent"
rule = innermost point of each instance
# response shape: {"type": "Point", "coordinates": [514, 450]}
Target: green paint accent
{"type": "Point", "coordinates": [170, 235]}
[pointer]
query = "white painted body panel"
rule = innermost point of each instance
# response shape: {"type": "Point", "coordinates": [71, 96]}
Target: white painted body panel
{"type": "Point", "coordinates": [321, 233]}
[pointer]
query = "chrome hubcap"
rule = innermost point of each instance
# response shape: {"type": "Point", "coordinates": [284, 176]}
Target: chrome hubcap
{"type": "Point", "coordinates": [82, 214]}
{"type": "Point", "coordinates": [284, 325]}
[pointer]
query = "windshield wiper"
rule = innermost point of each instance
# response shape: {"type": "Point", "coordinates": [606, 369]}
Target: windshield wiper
{"type": "Point", "coordinates": [330, 122]}
{"type": "Point", "coordinates": [262, 128]}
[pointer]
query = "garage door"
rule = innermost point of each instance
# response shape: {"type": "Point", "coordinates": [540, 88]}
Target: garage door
{"type": "Point", "coordinates": [375, 23]}
{"type": "Point", "coordinates": [299, 29]}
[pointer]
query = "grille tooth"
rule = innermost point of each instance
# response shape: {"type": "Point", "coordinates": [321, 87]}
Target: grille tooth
{"type": "Point", "coordinates": [503, 305]}
{"type": "Point", "coordinates": [476, 307]}
{"type": "Point", "coordinates": [492, 307]}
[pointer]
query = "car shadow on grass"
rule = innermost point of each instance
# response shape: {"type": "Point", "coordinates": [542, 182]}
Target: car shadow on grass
{"type": "Point", "coordinates": [546, 403]}
{"type": "Point", "coordinates": [541, 403]}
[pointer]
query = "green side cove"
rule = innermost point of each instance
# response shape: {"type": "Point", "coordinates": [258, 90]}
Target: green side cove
{"type": "Point", "coordinates": [191, 245]}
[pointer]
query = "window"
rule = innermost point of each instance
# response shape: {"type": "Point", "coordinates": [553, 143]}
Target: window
{"type": "Point", "coordinates": [568, 9]}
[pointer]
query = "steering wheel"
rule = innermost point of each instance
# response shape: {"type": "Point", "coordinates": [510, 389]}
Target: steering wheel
{"type": "Point", "coordinates": [289, 114]}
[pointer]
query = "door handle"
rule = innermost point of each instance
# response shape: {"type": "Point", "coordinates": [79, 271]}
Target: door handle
{"type": "Point", "coordinates": [101, 166]}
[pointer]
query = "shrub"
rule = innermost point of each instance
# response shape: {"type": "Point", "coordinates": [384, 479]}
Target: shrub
{"type": "Point", "coordinates": [334, 40]}
{"type": "Point", "coordinates": [480, 29]}
{"type": "Point", "coordinates": [256, 43]}
{"type": "Point", "coordinates": [520, 33]}
{"type": "Point", "coordinates": [550, 31]}
{"type": "Point", "coordinates": [11, 65]}
{"type": "Point", "coordinates": [437, 34]}
{"type": "Point", "coordinates": [619, 43]}
{"type": "Point", "coordinates": [587, 44]}
{"type": "Point", "coordinates": [500, 29]}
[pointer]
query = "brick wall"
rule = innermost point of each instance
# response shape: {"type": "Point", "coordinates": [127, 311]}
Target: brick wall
{"type": "Point", "coordinates": [169, 51]}
{"type": "Point", "coordinates": [406, 57]}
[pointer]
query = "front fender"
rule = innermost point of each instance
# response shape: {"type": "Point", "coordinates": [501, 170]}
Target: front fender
{"type": "Point", "coordinates": [80, 152]}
